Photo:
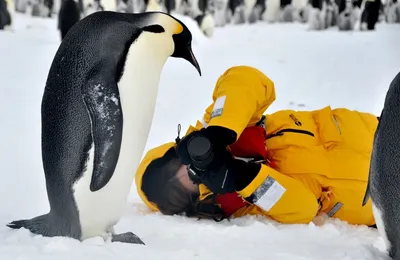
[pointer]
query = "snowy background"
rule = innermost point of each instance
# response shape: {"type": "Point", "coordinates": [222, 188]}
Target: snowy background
{"type": "Point", "coordinates": [310, 70]}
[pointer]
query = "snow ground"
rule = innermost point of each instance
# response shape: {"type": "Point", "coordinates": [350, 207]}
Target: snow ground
{"type": "Point", "coordinates": [310, 70]}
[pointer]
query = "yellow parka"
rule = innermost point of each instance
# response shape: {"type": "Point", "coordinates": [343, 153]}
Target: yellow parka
{"type": "Point", "coordinates": [322, 157]}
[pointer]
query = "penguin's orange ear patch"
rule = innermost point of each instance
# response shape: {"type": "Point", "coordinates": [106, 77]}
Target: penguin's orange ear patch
{"type": "Point", "coordinates": [155, 28]}
{"type": "Point", "coordinates": [178, 28]}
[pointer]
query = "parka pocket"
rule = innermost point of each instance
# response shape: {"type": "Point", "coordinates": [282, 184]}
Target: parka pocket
{"type": "Point", "coordinates": [329, 130]}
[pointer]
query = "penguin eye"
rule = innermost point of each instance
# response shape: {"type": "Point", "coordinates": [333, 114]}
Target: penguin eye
{"type": "Point", "coordinates": [155, 28]}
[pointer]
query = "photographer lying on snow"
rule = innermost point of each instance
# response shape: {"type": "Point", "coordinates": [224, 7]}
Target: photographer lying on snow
{"type": "Point", "coordinates": [304, 163]}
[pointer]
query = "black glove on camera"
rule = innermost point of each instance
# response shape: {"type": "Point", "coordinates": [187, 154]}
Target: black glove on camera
{"type": "Point", "coordinates": [232, 175]}
{"type": "Point", "coordinates": [210, 163]}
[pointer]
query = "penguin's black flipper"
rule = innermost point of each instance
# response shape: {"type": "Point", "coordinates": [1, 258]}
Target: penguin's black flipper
{"type": "Point", "coordinates": [367, 191]}
{"type": "Point", "coordinates": [104, 107]}
{"type": "Point", "coordinates": [367, 195]}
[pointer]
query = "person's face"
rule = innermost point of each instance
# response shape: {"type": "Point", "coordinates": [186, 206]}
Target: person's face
{"type": "Point", "coordinates": [184, 179]}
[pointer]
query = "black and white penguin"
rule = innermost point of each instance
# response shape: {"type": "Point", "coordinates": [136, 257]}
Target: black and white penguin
{"type": "Point", "coordinates": [347, 17]}
{"type": "Point", "coordinates": [331, 13]}
{"type": "Point", "coordinates": [237, 10]}
{"type": "Point", "coordinates": [206, 24]}
{"type": "Point", "coordinates": [392, 11]}
{"type": "Point", "coordinates": [316, 16]}
{"type": "Point", "coordinates": [272, 12]}
{"type": "Point", "coordinates": [286, 11]}
{"type": "Point", "coordinates": [257, 11]}
{"type": "Point", "coordinates": [97, 110]}
{"type": "Point", "coordinates": [5, 16]}
{"type": "Point", "coordinates": [370, 14]}
{"type": "Point", "coordinates": [49, 4]}
{"type": "Point", "coordinates": [384, 178]}
{"type": "Point", "coordinates": [68, 16]}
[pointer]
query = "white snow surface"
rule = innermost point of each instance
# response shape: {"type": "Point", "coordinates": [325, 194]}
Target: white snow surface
{"type": "Point", "coordinates": [310, 70]}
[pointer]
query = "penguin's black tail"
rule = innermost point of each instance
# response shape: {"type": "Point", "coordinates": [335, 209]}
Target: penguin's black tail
{"type": "Point", "coordinates": [38, 225]}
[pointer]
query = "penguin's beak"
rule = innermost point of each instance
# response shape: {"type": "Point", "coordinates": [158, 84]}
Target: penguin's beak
{"type": "Point", "coordinates": [192, 59]}
{"type": "Point", "coordinates": [183, 49]}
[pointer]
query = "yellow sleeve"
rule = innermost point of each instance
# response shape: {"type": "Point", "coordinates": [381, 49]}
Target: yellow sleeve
{"type": "Point", "coordinates": [284, 199]}
{"type": "Point", "coordinates": [241, 96]}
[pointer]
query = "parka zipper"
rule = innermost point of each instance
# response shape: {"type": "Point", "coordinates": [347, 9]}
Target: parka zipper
{"type": "Point", "coordinates": [280, 133]}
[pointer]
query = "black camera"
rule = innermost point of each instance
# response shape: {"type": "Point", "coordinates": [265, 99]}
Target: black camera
{"type": "Point", "coordinates": [201, 154]}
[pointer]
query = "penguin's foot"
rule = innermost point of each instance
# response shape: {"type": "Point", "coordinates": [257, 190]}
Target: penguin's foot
{"type": "Point", "coordinates": [127, 237]}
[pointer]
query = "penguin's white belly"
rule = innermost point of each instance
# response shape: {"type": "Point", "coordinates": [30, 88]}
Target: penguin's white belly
{"type": "Point", "coordinates": [380, 224]}
{"type": "Point", "coordinates": [100, 210]}
{"type": "Point", "coordinates": [138, 88]}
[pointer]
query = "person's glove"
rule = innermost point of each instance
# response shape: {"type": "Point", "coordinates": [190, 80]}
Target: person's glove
{"type": "Point", "coordinates": [210, 163]}
{"type": "Point", "coordinates": [197, 151]}
{"type": "Point", "coordinates": [230, 176]}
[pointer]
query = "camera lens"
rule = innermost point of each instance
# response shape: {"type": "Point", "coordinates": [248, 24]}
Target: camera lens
{"type": "Point", "coordinates": [200, 151]}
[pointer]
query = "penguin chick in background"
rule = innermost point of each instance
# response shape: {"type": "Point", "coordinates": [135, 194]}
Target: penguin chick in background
{"type": "Point", "coordinates": [97, 109]}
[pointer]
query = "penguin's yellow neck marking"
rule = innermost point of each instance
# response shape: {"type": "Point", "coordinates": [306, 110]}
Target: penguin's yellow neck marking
{"type": "Point", "coordinates": [170, 25]}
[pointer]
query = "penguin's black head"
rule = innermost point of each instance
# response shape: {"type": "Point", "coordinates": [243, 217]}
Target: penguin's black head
{"type": "Point", "coordinates": [181, 36]}
{"type": "Point", "coordinates": [183, 47]}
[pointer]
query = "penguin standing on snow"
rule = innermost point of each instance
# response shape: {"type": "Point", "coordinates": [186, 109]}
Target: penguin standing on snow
{"type": "Point", "coordinates": [287, 11]}
{"type": "Point", "coordinates": [68, 16]}
{"type": "Point", "coordinates": [346, 18]}
{"type": "Point", "coordinates": [97, 110]}
{"type": "Point", "coordinates": [257, 11]}
{"type": "Point", "coordinates": [370, 14]}
{"type": "Point", "coordinates": [316, 19]}
{"type": "Point", "coordinates": [5, 17]}
{"type": "Point", "coordinates": [392, 11]}
{"type": "Point", "coordinates": [206, 23]}
{"type": "Point", "coordinates": [384, 173]}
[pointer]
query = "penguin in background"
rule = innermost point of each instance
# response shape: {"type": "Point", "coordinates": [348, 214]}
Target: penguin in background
{"type": "Point", "coordinates": [287, 11]}
{"type": "Point", "coordinates": [257, 11]}
{"type": "Point", "coordinates": [169, 5]}
{"type": "Point", "coordinates": [122, 6]}
{"type": "Point", "coordinates": [332, 11]}
{"type": "Point", "coordinates": [5, 17]}
{"type": "Point", "coordinates": [279, 11]}
{"type": "Point", "coordinates": [11, 11]}
{"type": "Point", "coordinates": [201, 12]}
{"type": "Point", "coordinates": [153, 6]}
{"type": "Point", "coordinates": [303, 13]}
{"type": "Point", "coordinates": [109, 5]}
{"type": "Point", "coordinates": [384, 178]}
{"type": "Point", "coordinates": [393, 11]}
{"type": "Point", "coordinates": [370, 14]}
{"type": "Point", "coordinates": [272, 13]}
{"type": "Point", "coordinates": [346, 18]}
{"type": "Point", "coordinates": [220, 13]}
{"type": "Point", "coordinates": [237, 11]}
{"type": "Point", "coordinates": [68, 16]}
{"type": "Point", "coordinates": [138, 6]}
{"type": "Point", "coordinates": [97, 110]}
{"type": "Point", "coordinates": [316, 19]}
{"type": "Point", "coordinates": [299, 10]}
{"type": "Point", "coordinates": [91, 6]}
{"type": "Point", "coordinates": [49, 4]}
{"type": "Point", "coordinates": [206, 24]}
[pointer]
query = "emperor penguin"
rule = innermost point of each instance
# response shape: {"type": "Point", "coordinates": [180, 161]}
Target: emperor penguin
{"type": "Point", "coordinates": [370, 14]}
{"type": "Point", "coordinates": [97, 109]}
{"type": "Point", "coordinates": [68, 15]}
{"type": "Point", "coordinates": [5, 15]}
{"type": "Point", "coordinates": [11, 11]}
{"type": "Point", "coordinates": [384, 173]}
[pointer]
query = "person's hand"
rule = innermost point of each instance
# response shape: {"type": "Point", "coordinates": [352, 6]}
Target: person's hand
{"type": "Point", "coordinates": [202, 146]}
{"type": "Point", "coordinates": [230, 176]}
